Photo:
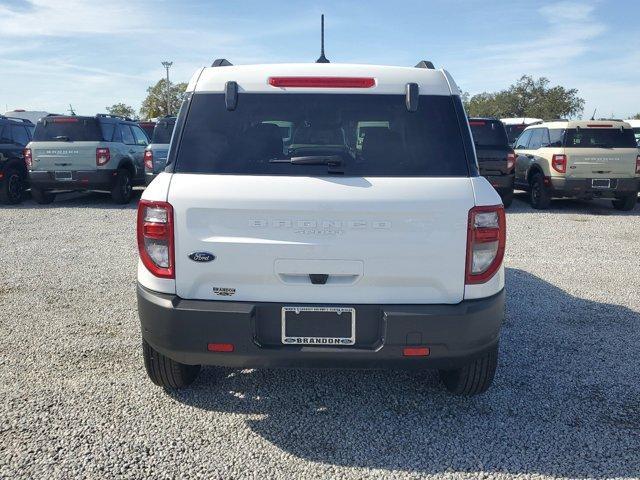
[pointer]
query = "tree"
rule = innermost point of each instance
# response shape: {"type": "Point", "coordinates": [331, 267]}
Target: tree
{"type": "Point", "coordinates": [636, 116]}
{"type": "Point", "coordinates": [122, 110]}
{"type": "Point", "coordinates": [528, 97]}
{"type": "Point", "coordinates": [155, 105]}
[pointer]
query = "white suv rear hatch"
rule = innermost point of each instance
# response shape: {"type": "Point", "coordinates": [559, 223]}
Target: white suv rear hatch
{"type": "Point", "coordinates": [322, 211]}
{"type": "Point", "coordinates": [270, 233]}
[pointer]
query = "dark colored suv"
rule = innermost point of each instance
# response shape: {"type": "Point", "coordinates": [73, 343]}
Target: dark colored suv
{"type": "Point", "coordinates": [15, 134]}
{"type": "Point", "coordinates": [496, 158]}
{"type": "Point", "coordinates": [69, 153]}
{"type": "Point", "coordinates": [155, 156]}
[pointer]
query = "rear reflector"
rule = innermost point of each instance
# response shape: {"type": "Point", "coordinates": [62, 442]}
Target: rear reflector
{"type": "Point", "coordinates": [638, 165]}
{"type": "Point", "coordinates": [415, 351]}
{"type": "Point", "coordinates": [322, 82]}
{"type": "Point", "coordinates": [598, 125]}
{"type": "Point", "coordinates": [220, 347]}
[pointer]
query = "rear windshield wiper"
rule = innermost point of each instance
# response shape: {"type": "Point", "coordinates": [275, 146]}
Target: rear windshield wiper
{"type": "Point", "coordinates": [62, 138]}
{"type": "Point", "coordinates": [311, 160]}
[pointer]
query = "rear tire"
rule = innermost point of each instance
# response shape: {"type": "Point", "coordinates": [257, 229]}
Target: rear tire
{"type": "Point", "coordinates": [475, 377]}
{"type": "Point", "coordinates": [122, 188]}
{"type": "Point", "coordinates": [626, 203]}
{"type": "Point", "coordinates": [165, 372]}
{"type": "Point", "coordinates": [507, 197]}
{"type": "Point", "coordinates": [43, 197]}
{"type": "Point", "coordinates": [12, 188]}
{"type": "Point", "coordinates": [538, 193]}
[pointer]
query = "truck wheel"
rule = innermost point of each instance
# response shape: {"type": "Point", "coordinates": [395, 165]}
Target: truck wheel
{"type": "Point", "coordinates": [474, 378]}
{"type": "Point", "coordinates": [122, 189]}
{"type": "Point", "coordinates": [626, 203]}
{"type": "Point", "coordinates": [538, 193]}
{"type": "Point", "coordinates": [165, 372]}
{"type": "Point", "coordinates": [12, 189]}
{"type": "Point", "coordinates": [507, 197]}
{"type": "Point", "coordinates": [43, 197]}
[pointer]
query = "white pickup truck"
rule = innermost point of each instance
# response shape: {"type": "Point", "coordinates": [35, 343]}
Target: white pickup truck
{"type": "Point", "coordinates": [309, 246]}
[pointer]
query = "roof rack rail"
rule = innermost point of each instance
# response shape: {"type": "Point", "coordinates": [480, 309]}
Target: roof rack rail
{"type": "Point", "coordinates": [425, 64]}
{"type": "Point", "coordinates": [23, 120]}
{"type": "Point", "coordinates": [221, 62]}
{"type": "Point", "coordinates": [108, 115]}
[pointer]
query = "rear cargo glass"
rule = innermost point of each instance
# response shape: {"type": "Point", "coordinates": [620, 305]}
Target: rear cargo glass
{"type": "Point", "coordinates": [599, 138]}
{"type": "Point", "coordinates": [69, 129]}
{"type": "Point", "coordinates": [636, 132]}
{"type": "Point", "coordinates": [162, 132]}
{"type": "Point", "coordinates": [488, 133]}
{"type": "Point", "coordinates": [321, 129]}
{"type": "Point", "coordinates": [514, 131]}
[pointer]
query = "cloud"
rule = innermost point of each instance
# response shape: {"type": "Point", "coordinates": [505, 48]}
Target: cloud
{"type": "Point", "coordinates": [71, 17]}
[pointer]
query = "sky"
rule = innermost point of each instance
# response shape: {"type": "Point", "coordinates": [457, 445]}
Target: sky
{"type": "Point", "coordinates": [93, 54]}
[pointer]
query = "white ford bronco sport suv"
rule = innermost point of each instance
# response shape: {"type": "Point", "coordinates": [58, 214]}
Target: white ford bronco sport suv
{"type": "Point", "coordinates": [265, 246]}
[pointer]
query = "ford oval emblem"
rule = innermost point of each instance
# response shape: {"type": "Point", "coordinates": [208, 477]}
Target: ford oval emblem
{"type": "Point", "coordinates": [202, 257]}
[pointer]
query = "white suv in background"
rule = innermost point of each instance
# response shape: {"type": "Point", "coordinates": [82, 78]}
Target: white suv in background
{"type": "Point", "coordinates": [321, 215]}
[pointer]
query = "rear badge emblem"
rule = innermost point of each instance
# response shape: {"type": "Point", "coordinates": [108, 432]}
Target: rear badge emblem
{"type": "Point", "coordinates": [202, 257]}
{"type": "Point", "coordinates": [224, 291]}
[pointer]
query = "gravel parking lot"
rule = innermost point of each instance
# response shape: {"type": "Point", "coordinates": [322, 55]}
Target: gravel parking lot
{"type": "Point", "coordinates": [76, 401]}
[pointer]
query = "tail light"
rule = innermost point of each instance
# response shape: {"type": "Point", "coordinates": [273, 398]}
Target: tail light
{"type": "Point", "coordinates": [559, 163]}
{"type": "Point", "coordinates": [637, 165]}
{"type": "Point", "coordinates": [103, 155]}
{"type": "Point", "coordinates": [486, 236]}
{"type": "Point", "coordinates": [148, 159]}
{"type": "Point", "coordinates": [28, 159]}
{"type": "Point", "coordinates": [511, 161]}
{"type": "Point", "coordinates": [155, 238]}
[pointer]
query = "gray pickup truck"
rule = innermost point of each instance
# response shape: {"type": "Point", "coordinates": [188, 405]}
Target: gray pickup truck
{"type": "Point", "coordinates": [155, 155]}
{"type": "Point", "coordinates": [102, 153]}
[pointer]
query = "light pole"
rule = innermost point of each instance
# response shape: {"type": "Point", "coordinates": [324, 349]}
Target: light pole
{"type": "Point", "coordinates": [167, 66]}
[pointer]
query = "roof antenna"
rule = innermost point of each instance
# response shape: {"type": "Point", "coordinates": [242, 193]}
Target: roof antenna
{"type": "Point", "coordinates": [322, 58]}
{"type": "Point", "coordinates": [593, 117]}
{"type": "Point", "coordinates": [71, 111]}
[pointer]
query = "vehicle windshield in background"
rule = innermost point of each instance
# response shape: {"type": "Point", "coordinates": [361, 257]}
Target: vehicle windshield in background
{"type": "Point", "coordinates": [324, 136]}
{"type": "Point", "coordinates": [162, 132]}
{"type": "Point", "coordinates": [636, 132]}
{"type": "Point", "coordinates": [514, 131]}
{"type": "Point", "coordinates": [600, 138]}
{"type": "Point", "coordinates": [488, 133]}
{"type": "Point", "coordinates": [69, 129]}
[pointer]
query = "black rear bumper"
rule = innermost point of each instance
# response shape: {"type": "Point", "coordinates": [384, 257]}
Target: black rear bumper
{"type": "Point", "coordinates": [502, 183]}
{"type": "Point", "coordinates": [80, 180]}
{"type": "Point", "coordinates": [455, 334]}
{"type": "Point", "coordinates": [582, 187]}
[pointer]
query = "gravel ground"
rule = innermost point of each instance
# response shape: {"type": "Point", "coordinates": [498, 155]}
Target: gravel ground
{"type": "Point", "coordinates": [76, 401]}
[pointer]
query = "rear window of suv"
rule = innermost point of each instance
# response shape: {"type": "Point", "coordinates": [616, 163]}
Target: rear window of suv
{"type": "Point", "coordinates": [599, 138]}
{"type": "Point", "coordinates": [162, 132]}
{"type": "Point", "coordinates": [488, 133]}
{"type": "Point", "coordinates": [70, 129]}
{"type": "Point", "coordinates": [323, 138]}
